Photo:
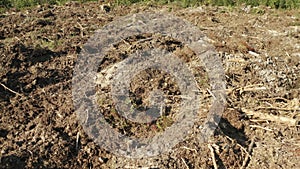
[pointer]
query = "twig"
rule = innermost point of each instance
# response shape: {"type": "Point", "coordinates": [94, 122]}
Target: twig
{"type": "Point", "coordinates": [192, 149]}
{"type": "Point", "coordinates": [281, 119]}
{"type": "Point", "coordinates": [236, 144]}
{"type": "Point", "coordinates": [257, 126]}
{"type": "Point", "coordinates": [10, 90]}
{"type": "Point", "coordinates": [185, 163]}
{"type": "Point", "coordinates": [259, 120]}
{"type": "Point", "coordinates": [127, 43]}
{"type": "Point", "coordinates": [77, 141]}
{"type": "Point", "coordinates": [279, 108]}
{"type": "Point", "coordinates": [248, 154]}
{"type": "Point", "coordinates": [144, 40]}
{"type": "Point", "coordinates": [213, 156]}
{"type": "Point", "coordinates": [207, 28]}
{"type": "Point", "coordinates": [237, 60]}
{"type": "Point", "coordinates": [274, 98]}
{"type": "Point", "coordinates": [248, 88]}
{"type": "Point", "coordinates": [216, 148]}
{"type": "Point", "coordinates": [253, 53]}
{"type": "Point", "coordinates": [253, 89]}
{"type": "Point", "coordinates": [134, 167]}
{"type": "Point", "coordinates": [30, 152]}
{"type": "Point", "coordinates": [81, 29]}
{"type": "Point", "coordinates": [211, 93]}
{"type": "Point", "coordinates": [233, 141]}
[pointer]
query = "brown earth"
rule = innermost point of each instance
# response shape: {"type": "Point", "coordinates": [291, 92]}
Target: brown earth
{"type": "Point", "coordinates": [260, 50]}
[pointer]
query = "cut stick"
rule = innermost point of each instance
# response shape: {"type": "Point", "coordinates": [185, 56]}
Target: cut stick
{"type": "Point", "coordinates": [264, 116]}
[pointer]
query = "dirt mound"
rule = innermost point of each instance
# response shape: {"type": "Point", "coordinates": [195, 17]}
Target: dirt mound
{"type": "Point", "coordinates": [259, 48]}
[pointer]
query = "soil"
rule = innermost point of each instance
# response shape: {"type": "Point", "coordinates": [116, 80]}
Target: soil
{"type": "Point", "coordinates": [260, 51]}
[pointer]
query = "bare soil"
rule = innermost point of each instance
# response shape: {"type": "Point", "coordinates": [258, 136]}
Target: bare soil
{"type": "Point", "coordinates": [260, 51]}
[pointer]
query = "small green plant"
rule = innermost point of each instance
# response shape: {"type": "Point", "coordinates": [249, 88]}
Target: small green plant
{"type": "Point", "coordinates": [51, 44]}
{"type": "Point", "coordinates": [282, 4]}
{"type": "Point", "coordinates": [5, 3]}
{"type": "Point", "coordinates": [163, 122]}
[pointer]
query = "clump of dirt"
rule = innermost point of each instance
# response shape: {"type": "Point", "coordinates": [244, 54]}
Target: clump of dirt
{"type": "Point", "coordinates": [259, 48]}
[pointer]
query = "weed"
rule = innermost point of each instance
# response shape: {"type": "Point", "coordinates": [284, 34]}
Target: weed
{"type": "Point", "coordinates": [282, 4]}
